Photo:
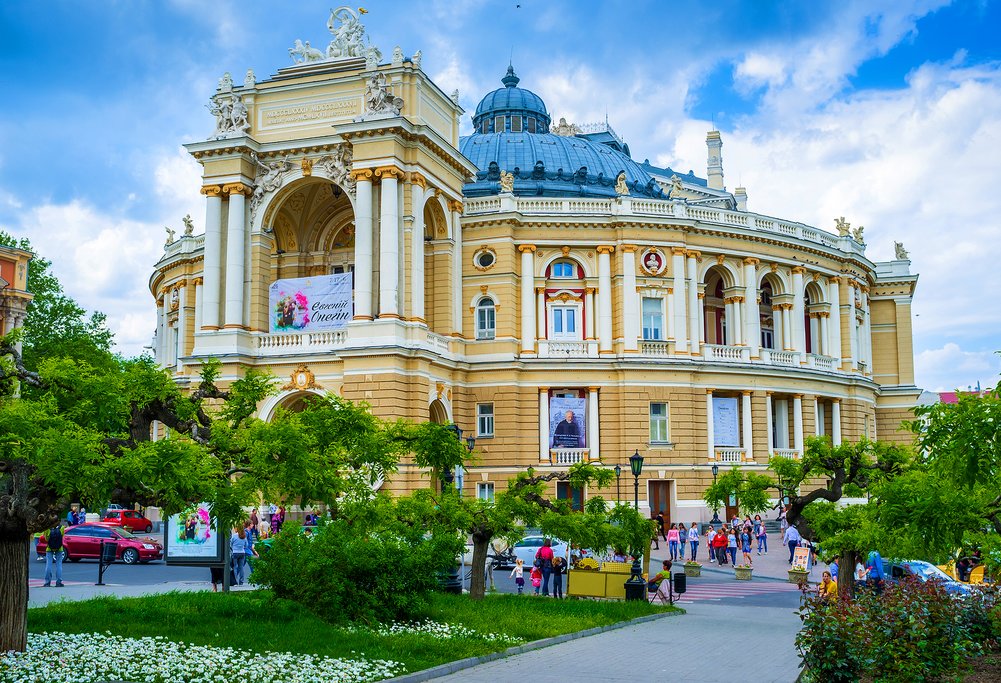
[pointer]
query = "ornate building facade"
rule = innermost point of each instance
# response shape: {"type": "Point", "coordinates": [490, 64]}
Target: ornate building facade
{"type": "Point", "coordinates": [14, 295]}
{"type": "Point", "coordinates": [527, 275]}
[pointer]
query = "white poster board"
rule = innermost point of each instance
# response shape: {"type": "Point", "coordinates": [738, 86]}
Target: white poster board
{"type": "Point", "coordinates": [726, 422]}
{"type": "Point", "coordinates": [801, 559]}
{"type": "Point", "coordinates": [191, 536]}
{"type": "Point", "coordinates": [310, 304]}
{"type": "Point", "coordinates": [567, 422]}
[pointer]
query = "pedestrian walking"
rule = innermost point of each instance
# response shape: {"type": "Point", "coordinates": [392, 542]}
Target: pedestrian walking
{"type": "Point", "coordinates": [745, 544]}
{"type": "Point", "coordinates": [518, 573]}
{"type": "Point", "coordinates": [762, 538]}
{"type": "Point", "coordinates": [682, 537]}
{"type": "Point", "coordinates": [731, 546]}
{"type": "Point", "coordinates": [719, 545]}
{"type": "Point", "coordinates": [710, 535]}
{"type": "Point", "coordinates": [792, 539]}
{"type": "Point", "coordinates": [874, 572]}
{"type": "Point", "coordinates": [660, 525]}
{"type": "Point", "coordinates": [536, 579]}
{"type": "Point", "coordinates": [544, 561]}
{"type": "Point", "coordinates": [861, 574]}
{"type": "Point", "coordinates": [559, 568]}
{"type": "Point", "coordinates": [693, 540]}
{"type": "Point", "coordinates": [238, 549]}
{"type": "Point", "coordinates": [659, 521]}
{"type": "Point", "coordinates": [215, 575]}
{"type": "Point", "coordinates": [54, 554]}
{"type": "Point", "coordinates": [248, 531]}
{"type": "Point", "coordinates": [254, 523]}
{"type": "Point", "coordinates": [672, 541]}
{"type": "Point", "coordinates": [757, 524]}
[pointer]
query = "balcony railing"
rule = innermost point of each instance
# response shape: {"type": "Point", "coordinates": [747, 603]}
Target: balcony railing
{"type": "Point", "coordinates": [438, 342]}
{"type": "Point", "coordinates": [656, 348]}
{"type": "Point", "coordinates": [734, 455]}
{"type": "Point", "coordinates": [775, 357]}
{"type": "Point", "coordinates": [568, 456]}
{"type": "Point", "coordinates": [786, 453]}
{"type": "Point", "coordinates": [587, 348]}
{"type": "Point", "coordinates": [307, 342]}
{"type": "Point", "coordinates": [814, 360]}
{"type": "Point", "coordinates": [726, 353]}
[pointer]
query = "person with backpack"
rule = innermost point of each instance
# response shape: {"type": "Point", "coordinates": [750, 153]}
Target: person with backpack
{"type": "Point", "coordinates": [54, 554]}
{"type": "Point", "coordinates": [559, 568]}
{"type": "Point", "coordinates": [544, 561]}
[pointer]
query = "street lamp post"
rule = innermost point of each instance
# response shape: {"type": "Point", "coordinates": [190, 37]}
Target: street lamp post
{"type": "Point", "coordinates": [715, 519]}
{"type": "Point", "coordinates": [453, 580]}
{"type": "Point", "coordinates": [618, 473]}
{"type": "Point", "coordinates": [635, 586]}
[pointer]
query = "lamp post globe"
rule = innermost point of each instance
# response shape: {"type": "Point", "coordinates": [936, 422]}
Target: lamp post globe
{"type": "Point", "coordinates": [618, 473]}
{"type": "Point", "coordinates": [636, 586]}
{"type": "Point", "coordinates": [715, 519]}
{"type": "Point", "coordinates": [636, 465]}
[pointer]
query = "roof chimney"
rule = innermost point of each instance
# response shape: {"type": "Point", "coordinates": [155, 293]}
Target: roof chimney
{"type": "Point", "coordinates": [715, 167]}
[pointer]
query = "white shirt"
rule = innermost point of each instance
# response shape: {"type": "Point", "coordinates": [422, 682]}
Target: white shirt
{"type": "Point", "coordinates": [859, 572]}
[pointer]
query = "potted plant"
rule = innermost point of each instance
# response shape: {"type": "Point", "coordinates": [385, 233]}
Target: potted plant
{"type": "Point", "coordinates": [693, 568]}
{"type": "Point", "coordinates": [743, 572]}
{"type": "Point", "coordinates": [799, 576]}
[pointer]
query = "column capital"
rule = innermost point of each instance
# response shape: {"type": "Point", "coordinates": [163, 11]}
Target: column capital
{"type": "Point", "coordinates": [540, 290]}
{"type": "Point", "coordinates": [541, 389]}
{"type": "Point", "coordinates": [834, 280]}
{"type": "Point", "coordinates": [709, 391]}
{"type": "Point", "coordinates": [211, 190]}
{"type": "Point", "coordinates": [769, 394]}
{"type": "Point", "coordinates": [389, 172]}
{"type": "Point", "coordinates": [361, 175]}
{"type": "Point", "coordinates": [799, 396]}
{"type": "Point", "coordinates": [455, 205]}
{"type": "Point", "coordinates": [591, 290]}
{"type": "Point", "coordinates": [799, 270]}
{"type": "Point", "coordinates": [237, 188]}
{"type": "Point", "coordinates": [418, 179]}
{"type": "Point", "coordinates": [526, 247]}
{"type": "Point", "coordinates": [593, 388]}
{"type": "Point", "coordinates": [629, 248]}
{"type": "Point", "coordinates": [604, 249]}
{"type": "Point", "coordinates": [751, 261]}
{"type": "Point", "coordinates": [678, 251]}
{"type": "Point", "coordinates": [198, 281]}
{"type": "Point", "coordinates": [746, 392]}
{"type": "Point", "coordinates": [836, 400]}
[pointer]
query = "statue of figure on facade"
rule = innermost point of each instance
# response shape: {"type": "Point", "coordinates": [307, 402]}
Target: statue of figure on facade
{"type": "Point", "coordinates": [397, 56]}
{"type": "Point", "coordinates": [170, 236]}
{"type": "Point", "coordinates": [416, 59]}
{"type": "Point", "coordinates": [857, 234]}
{"type": "Point", "coordinates": [250, 80]}
{"type": "Point", "coordinates": [901, 253]}
{"type": "Point", "coordinates": [348, 33]}
{"type": "Point", "coordinates": [270, 177]}
{"type": "Point", "coordinates": [189, 225]}
{"type": "Point", "coordinates": [565, 129]}
{"type": "Point", "coordinates": [506, 182]}
{"type": "Point", "coordinates": [580, 177]}
{"type": "Point", "coordinates": [620, 183]}
{"type": "Point", "coordinates": [226, 83]}
{"type": "Point", "coordinates": [455, 96]}
{"type": "Point", "coordinates": [337, 167]}
{"type": "Point", "coordinates": [378, 99]}
{"type": "Point", "coordinates": [221, 108]}
{"type": "Point", "coordinates": [239, 116]}
{"type": "Point", "coordinates": [676, 188]}
{"type": "Point", "coordinates": [842, 226]}
{"type": "Point", "coordinates": [304, 52]}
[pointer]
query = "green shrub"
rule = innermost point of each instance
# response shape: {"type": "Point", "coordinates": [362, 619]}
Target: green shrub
{"type": "Point", "coordinates": [833, 643]}
{"type": "Point", "coordinates": [345, 572]}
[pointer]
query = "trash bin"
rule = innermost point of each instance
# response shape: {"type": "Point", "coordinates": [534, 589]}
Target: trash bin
{"type": "Point", "coordinates": [636, 588]}
{"type": "Point", "coordinates": [680, 583]}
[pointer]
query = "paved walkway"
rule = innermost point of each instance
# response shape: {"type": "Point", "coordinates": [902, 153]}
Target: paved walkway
{"type": "Point", "coordinates": [650, 651]}
{"type": "Point", "coordinates": [39, 596]}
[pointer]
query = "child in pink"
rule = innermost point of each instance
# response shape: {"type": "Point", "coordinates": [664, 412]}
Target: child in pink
{"type": "Point", "coordinates": [536, 579]}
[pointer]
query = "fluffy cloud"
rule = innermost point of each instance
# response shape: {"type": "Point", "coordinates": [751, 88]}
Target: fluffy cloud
{"type": "Point", "coordinates": [950, 367]}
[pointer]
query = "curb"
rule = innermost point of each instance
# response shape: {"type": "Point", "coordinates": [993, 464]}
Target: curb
{"type": "Point", "coordinates": [756, 578]}
{"type": "Point", "coordinates": [469, 662]}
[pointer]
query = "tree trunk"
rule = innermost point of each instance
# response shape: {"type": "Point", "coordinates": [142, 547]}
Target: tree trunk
{"type": "Point", "coordinates": [477, 585]}
{"type": "Point", "coordinates": [14, 590]}
{"type": "Point", "coordinates": [846, 573]}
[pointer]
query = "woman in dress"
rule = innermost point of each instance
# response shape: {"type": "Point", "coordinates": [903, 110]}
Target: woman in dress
{"type": "Point", "coordinates": [745, 544]}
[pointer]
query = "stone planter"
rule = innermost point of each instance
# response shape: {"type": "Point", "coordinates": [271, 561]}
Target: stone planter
{"type": "Point", "coordinates": [694, 569]}
{"type": "Point", "coordinates": [798, 576]}
{"type": "Point", "coordinates": [743, 573]}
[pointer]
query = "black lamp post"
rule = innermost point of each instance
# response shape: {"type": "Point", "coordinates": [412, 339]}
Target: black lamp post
{"type": "Point", "coordinates": [452, 582]}
{"type": "Point", "coordinates": [715, 519]}
{"type": "Point", "coordinates": [618, 473]}
{"type": "Point", "coordinates": [635, 586]}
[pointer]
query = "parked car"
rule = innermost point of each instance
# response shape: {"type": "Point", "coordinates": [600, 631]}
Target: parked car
{"type": "Point", "coordinates": [83, 541]}
{"type": "Point", "coordinates": [526, 548]}
{"type": "Point", "coordinates": [128, 519]}
{"type": "Point", "coordinates": [923, 571]}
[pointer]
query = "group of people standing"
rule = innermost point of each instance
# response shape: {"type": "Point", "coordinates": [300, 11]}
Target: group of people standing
{"type": "Point", "coordinates": [241, 551]}
{"type": "Point", "coordinates": [738, 534]}
{"type": "Point", "coordinates": [678, 537]}
{"type": "Point", "coordinates": [546, 566]}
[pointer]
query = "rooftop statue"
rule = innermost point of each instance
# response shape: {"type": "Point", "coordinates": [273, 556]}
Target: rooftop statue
{"type": "Point", "coordinates": [301, 52]}
{"type": "Point", "coordinates": [170, 236]}
{"type": "Point", "coordinates": [506, 182]}
{"type": "Point", "coordinates": [620, 184]}
{"type": "Point", "coordinates": [378, 99]}
{"type": "Point", "coordinates": [901, 253]}
{"type": "Point", "coordinates": [857, 234]}
{"type": "Point", "coordinates": [842, 226]}
{"type": "Point", "coordinates": [189, 225]}
{"type": "Point", "coordinates": [348, 32]}
{"type": "Point", "coordinates": [565, 129]}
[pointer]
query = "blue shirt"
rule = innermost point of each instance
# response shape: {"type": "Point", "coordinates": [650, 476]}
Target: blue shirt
{"type": "Point", "coordinates": [792, 534]}
{"type": "Point", "coordinates": [237, 545]}
{"type": "Point", "coordinates": [249, 544]}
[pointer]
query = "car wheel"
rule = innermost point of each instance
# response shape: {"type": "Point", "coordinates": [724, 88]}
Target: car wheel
{"type": "Point", "coordinates": [149, 528]}
{"type": "Point", "coordinates": [130, 556]}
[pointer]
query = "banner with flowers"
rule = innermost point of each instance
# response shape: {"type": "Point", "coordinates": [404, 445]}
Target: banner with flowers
{"type": "Point", "coordinates": [310, 304]}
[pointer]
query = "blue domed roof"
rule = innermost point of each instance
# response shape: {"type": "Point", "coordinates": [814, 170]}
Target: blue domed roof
{"type": "Point", "coordinates": [551, 165]}
{"type": "Point", "coordinates": [511, 100]}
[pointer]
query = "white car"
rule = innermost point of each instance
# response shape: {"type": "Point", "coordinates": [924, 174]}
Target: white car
{"type": "Point", "coordinates": [526, 548]}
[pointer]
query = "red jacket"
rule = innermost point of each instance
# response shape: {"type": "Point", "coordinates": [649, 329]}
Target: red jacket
{"type": "Point", "coordinates": [545, 553]}
{"type": "Point", "coordinates": [719, 540]}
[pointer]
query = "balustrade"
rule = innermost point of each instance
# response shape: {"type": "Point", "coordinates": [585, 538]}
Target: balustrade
{"type": "Point", "coordinates": [587, 348]}
{"type": "Point", "coordinates": [568, 456]}
{"type": "Point", "coordinates": [786, 453]}
{"type": "Point", "coordinates": [272, 344]}
{"type": "Point", "coordinates": [732, 455]}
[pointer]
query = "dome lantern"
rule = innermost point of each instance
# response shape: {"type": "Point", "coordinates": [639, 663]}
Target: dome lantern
{"type": "Point", "coordinates": [511, 109]}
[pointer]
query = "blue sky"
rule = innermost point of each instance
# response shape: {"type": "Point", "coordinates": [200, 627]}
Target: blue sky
{"type": "Point", "coordinates": [888, 113]}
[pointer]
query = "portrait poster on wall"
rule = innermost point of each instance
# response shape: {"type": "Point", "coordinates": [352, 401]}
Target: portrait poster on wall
{"type": "Point", "coordinates": [310, 304]}
{"type": "Point", "coordinates": [567, 422]}
{"type": "Point", "coordinates": [191, 537]}
{"type": "Point", "coordinates": [726, 425]}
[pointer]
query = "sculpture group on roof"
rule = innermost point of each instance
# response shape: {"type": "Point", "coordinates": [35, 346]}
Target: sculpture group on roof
{"type": "Point", "coordinates": [538, 175]}
{"type": "Point", "coordinates": [349, 40]}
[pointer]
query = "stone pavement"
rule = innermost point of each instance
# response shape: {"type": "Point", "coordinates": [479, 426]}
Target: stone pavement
{"type": "Point", "coordinates": [673, 649]}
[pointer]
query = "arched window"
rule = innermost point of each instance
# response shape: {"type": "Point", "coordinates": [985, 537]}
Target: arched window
{"type": "Point", "coordinates": [563, 269]}
{"type": "Point", "coordinates": [486, 319]}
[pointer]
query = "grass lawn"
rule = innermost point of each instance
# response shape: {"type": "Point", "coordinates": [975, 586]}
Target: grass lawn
{"type": "Point", "coordinates": [255, 620]}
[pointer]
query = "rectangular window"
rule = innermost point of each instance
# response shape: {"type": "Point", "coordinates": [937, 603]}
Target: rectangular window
{"type": "Point", "coordinates": [659, 432]}
{"type": "Point", "coordinates": [484, 419]}
{"type": "Point", "coordinates": [498, 124]}
{"type": "Point", "coordinates": [566, 492]}
{"type": "Point", "coordinates": [653, 319]}
{"type": "Point", "coordinates": [531, 125]}
{"type": "Point", "coordinates": [485, 126]}
{"type": "Point", "coordinates": [515, 124]}
{"type": "Point", "coordinates": [767, 338]}
{"type": "Point", "coordinates": [486, 322]}
{"type": "Point", "coordinates": [564, 322]}
{"type": "Point", "coordinates": [485, 491]}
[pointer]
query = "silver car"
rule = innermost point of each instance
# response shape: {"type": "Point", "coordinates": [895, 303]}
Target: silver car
{"type": "Point", "coordinates": [526, 548]}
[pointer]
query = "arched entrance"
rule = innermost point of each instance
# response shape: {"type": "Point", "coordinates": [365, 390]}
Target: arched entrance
{"type": "Point", "coordinates": [437, 412]}
{"type": "Point", "coordinates": [289, 401]}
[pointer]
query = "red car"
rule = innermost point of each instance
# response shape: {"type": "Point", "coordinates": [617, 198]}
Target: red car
{"type": "Point", "coordinates": [84, 541]}
{"type": "Point", "coordinates": [129, 519]}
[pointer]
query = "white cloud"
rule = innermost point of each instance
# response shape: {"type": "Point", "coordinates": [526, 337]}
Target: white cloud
{"type": "Point", "coordinates": [950, 367]}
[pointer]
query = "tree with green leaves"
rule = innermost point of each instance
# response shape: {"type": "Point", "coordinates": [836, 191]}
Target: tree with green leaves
{"type": "Point", "coordinates": [748, 489]}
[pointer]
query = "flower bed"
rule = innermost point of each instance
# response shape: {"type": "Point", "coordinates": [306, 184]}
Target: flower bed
{"type": "Point", "coordinates": [85, 657]}
{"type": "Point", "coordinates": [438, 631]}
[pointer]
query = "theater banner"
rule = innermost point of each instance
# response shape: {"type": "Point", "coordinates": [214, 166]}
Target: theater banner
{"type": "Point", "coordinates": [310, 304]}
{"type": "Point", "coordinates": [726, 425]}
{"type": "Point", "coordinates": [567, 422]}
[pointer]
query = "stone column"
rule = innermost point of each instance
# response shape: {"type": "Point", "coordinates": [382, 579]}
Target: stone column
{"type": "Point", "coordinates": [798, 312]}
{"type": "Point", "coordinates": [161, 330]}
{"type": "Point", "coordinates": [455, 207]}
{"type": "Point", "coordinates": [589, 313]}
{"type": "Point", "coordinates": [825, 346]}
{"type": "Point", "coordinates": [389, 242]}
{"type": "Point", "coordinates": [702, 315]}
{"type": "Point", "coordinates": [797, 423]}
{"type": "Point", "coordinates": [710, 434]}
{"type": "Point", "coordinates": [692, 301]}
{"type": "Point", "coordinates": [669, 313]}
{"type": "Point", "coordinates": [543, 424]}
{"type": "Point", "coordinates": [540, 313]}
{"type": "Point", "coordinates": [834, 328]}
{"type": "Point", "coordinates": [788, 334]}
{"type": "Point", "coordinates": [528, 299]}
{"type": "Point", "coordinates": [197, 303]}
{"type": "Point", "coordinates": [212, 258]}
{"type": "Point", "coordinates": [678, 303]}
{"type": "Point", "coordinates": [866, 352]}
{"type": "Point", "coordinates": [745, 419]}
{"type": "Point", "coordinates": [836, 422]}
{"type": "Point", "coordinates": [593, 424]}
{"type": "Point", "coordinates": [768, 423]}
{"type": "Point", "coordinates": [363, 243]}
{"type": "Point", "coordinates": [630, 301]}
{"type": "Point", "coordinates": [236, 237]}
{"type": "Point", "coordinates": [738, 321]}
{"type": "Point", "coordinates": [853, 345]}
{"type": "Point", "coordinates": [182, 323]}
{"type": "Point", "coordinates": [752, 317]}
{"type": "Point", "coordinates": [418, 187]}
{"type": "Point", "coordinates": [605, 298]}
{"type": "Point", "coordinates": [814, 319]}
{"type": "Point", "coordinates": [818, 423]}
